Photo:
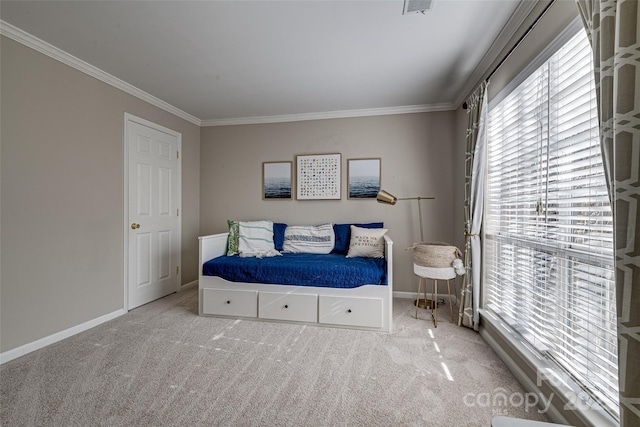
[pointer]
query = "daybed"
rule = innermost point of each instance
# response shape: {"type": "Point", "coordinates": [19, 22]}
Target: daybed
{"type": "Point", "coordinates": [313, 301]}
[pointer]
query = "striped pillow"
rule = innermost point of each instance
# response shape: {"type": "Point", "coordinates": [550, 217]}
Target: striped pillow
{"type": "Point", "coordinates": [255, 239]}
{"type": "Point", "coordinates": [309, 239]}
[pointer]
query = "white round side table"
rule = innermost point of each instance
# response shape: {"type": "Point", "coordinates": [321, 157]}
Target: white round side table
{"type": "Point", "coordinates": [434, 274]}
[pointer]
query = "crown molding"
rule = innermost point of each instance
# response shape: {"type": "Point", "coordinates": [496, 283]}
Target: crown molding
{"type": "Point", "coordinates": [515, 21]}
{"type": "Point", "coordinates": [408, 109]}
{"type": "Point", "coordinates": [45, 48]}
{"type": "Point", "coordinates": [41, 46]}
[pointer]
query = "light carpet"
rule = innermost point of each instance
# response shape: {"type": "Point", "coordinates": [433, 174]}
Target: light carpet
{"type": "Point", "coordinates": [162, 365]}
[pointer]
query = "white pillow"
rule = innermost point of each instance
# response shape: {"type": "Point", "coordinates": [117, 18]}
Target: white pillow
{"type": "Point", "coordinates": [309, 239]}
{"type": "Point", "coordinates": [366, 242]}
{"type": "Point", "coordinates": [255, 239]}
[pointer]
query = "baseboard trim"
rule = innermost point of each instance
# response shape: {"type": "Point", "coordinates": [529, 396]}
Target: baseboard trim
{"type": "Point", "coordinates": [189, 285]}
{"type": "Point", "coordinates": [412, 295]}
{"type": "Point", "coordinates": [58, 336]}
{"type": "Point", "coordinates": [404, 295]}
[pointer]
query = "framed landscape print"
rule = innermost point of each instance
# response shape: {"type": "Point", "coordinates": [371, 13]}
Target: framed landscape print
{"type": "Point", "coordinates": [276, 180]}
{"type": "Point", "coordinates": [363, 178]}
{"type": "Point", "coordinates": [318, 177]}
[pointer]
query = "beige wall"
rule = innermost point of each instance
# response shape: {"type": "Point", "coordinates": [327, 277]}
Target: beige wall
{"type": "Point", "coordinates": [417, 160]}
{"type": "Point", "coordinates": [62, 195]}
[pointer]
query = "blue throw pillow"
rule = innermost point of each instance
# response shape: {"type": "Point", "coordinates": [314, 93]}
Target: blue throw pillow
{"type": "Point", "coordinates": [343, 235]}
{"type": "Point", "coordinates": [278, 235]}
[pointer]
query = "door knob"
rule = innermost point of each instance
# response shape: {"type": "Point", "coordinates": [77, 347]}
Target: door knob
{"type": "Point", "coordinates": [135, 226]}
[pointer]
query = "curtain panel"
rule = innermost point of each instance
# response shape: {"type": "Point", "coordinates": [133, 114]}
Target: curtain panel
{"type": "Point", "coordinates": [612, 27]}
{"type": "Point", "coordinates": [475, 164]}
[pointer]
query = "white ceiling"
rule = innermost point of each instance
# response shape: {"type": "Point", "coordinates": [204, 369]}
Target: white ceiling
{"type": "Point", "coordinates": [220, 60]}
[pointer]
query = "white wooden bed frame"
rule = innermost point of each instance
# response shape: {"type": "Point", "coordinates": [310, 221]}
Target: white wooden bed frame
{"type": "Point", "coordinates": [368, 307]}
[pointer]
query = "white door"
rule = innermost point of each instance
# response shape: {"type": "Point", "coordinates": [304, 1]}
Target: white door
{"type": "Point", "coordinates": [153, 227]}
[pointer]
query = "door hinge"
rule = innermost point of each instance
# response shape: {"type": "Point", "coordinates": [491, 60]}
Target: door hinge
{"type": "Point", "coordinates": [177, 154]}
{"type": "Point", "coordinates": [177, 212]}
{"type": "Point", "coordinates": [177, 269]}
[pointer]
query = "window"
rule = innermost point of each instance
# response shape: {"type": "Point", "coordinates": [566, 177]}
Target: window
{"type": "Point", "coordinates": [549, 267]}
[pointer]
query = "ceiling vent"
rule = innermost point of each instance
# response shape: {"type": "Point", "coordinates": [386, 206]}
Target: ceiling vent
{"type": "Point", "coordinates": [417, 6]}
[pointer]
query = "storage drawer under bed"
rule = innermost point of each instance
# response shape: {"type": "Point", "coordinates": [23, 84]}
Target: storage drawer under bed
{"type": "Point", "coordinates": [229, 302]}
{"type": "Point", "coordinates": [350, 311]}
{"type": "Point", "coordinates": [283, 306]}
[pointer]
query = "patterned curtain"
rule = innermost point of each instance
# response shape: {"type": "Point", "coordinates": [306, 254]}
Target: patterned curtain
{"type": "Point", "coordinates": [475, 161]}
{"type": "Point", "coordinates": [612, 27]}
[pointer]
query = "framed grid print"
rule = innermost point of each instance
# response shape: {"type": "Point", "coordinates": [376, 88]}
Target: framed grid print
{"type": "Point", "coordinates": [276, 180]}
{"type": "Point", "coordinates": [363, 178]}
{"type": "Point", "coordinates": [318, 177]}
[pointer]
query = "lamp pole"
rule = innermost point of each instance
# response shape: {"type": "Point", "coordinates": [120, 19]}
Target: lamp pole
{"type": "Point", "coordinates": [417, 199]}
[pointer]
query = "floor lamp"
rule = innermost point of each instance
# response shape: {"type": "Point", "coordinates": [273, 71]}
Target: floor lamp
{"type": "Point", "coordinates": [389, 199]}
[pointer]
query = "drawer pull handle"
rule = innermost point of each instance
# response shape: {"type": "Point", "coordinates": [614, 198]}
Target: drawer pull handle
{"type": "Point", "coordinates": [349, 311]}
{"type": "Point", "coordinates": [286, 306]}
{"type": "Point", "coordinates": [228, 301]}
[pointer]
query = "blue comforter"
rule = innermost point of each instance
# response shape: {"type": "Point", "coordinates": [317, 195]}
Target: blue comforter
{"type": "Point", "coordinates": [330, 270]}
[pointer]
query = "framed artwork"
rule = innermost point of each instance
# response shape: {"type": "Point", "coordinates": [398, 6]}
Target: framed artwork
{"type": "Point", "coordinates": [318, 177]}
{"type": "Point", "coordinates": [276, 180]}
{"type": "Point", "coordinates": [363, 178]}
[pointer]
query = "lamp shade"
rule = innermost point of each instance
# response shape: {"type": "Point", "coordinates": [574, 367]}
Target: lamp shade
{"type": "Point", "coordinates": [386, 198]}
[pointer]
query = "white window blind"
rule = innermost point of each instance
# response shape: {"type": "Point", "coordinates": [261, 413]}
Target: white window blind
{"type": "Point", "coordinates": [548, 225]}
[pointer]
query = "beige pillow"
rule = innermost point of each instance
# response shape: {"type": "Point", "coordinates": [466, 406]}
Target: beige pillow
{"type": "Point", "coordinates": [366, 242]}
